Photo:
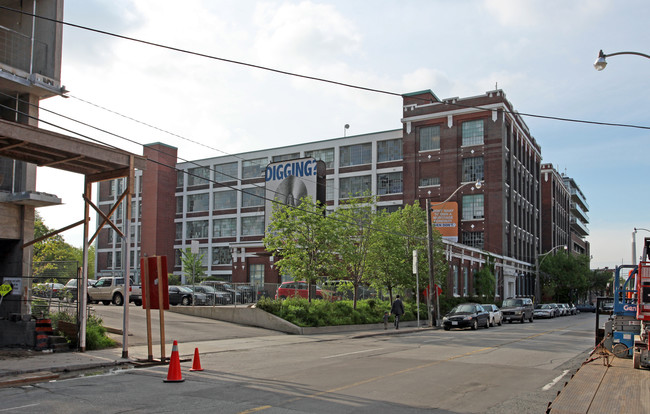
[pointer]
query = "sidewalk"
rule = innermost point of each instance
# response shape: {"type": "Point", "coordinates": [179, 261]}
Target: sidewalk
{"type": "Point", "coordinates": [28, 367]}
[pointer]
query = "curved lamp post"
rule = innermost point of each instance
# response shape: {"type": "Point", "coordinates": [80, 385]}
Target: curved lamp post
{"type": "Point", "coordinates": [601, 62]}
{"type": "Point", "coordinates": [634, 257]}
{"type": "Point", "coordinates": [477, 184]}
{"type": "Point", "coordinates": [538, 263]}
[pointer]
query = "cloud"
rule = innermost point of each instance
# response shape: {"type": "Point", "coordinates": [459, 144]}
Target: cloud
{"type": "Point", "coordinates": [539, 14]}
{"type": "Point", "coordinates": [305, 35]}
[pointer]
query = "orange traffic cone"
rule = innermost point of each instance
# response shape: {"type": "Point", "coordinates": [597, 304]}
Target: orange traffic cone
{"type": "Point", "coordinates": [174, 373]}
{"type": "Point", "coordinates": [196, 363]}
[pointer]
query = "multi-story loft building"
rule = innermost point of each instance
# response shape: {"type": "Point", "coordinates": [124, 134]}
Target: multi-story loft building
{"type": "Point", "coordinates": [30, 70]}
{"type": "Point", "coordinates": [556, 212]}
{"type": "Point", "coordinates": [578, 218]}
{"type": "Point", "coordinates": [443, 149]}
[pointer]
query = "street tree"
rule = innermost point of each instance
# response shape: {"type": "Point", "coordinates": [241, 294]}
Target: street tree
{"type": "Point", "coordinates": [305, 241]}
{"type": "Point", "coordinates": [485, 281]}
{"type": "Point", "coordinates": [353, 221]}
{"type": "Point", "coordinates": [566, 276]}
{"type": "Point", "coordinates": [192, 266]}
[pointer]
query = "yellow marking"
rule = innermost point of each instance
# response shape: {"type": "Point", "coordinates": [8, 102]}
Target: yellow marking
{"type": "Point", "coordinates": [256, 409]}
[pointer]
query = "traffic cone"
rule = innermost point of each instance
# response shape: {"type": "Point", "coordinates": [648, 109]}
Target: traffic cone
{"type": "Point", "coordinates": [196, 363]}
{"type": "Point", "coordinates": [174, 372]}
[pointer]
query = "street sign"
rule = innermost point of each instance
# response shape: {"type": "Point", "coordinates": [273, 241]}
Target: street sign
{"type": "Point", "coordinates": [4, 289]}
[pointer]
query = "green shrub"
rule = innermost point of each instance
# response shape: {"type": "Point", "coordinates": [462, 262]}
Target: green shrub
{"type": "Point", "coordinates": [95, 331]}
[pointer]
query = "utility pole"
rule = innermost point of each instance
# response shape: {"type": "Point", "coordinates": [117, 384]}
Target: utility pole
{"type": "Point", "coordinates": [430, 257]}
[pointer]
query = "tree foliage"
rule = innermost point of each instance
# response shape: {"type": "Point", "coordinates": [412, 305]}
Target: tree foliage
{"type": "Point", "coordinates": [485, 281]}
{"type": "Point", "coordinates": [565, 276]}
{"type": "Point", "coordinates": [305, 241]}
{"type": "Point", "coordinates": [50, 253]}
{"type": "Point", "coordinates": [192, 266]}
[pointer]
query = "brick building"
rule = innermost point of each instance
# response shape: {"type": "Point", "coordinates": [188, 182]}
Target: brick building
{"type": "Point", "coordinates": [442, 150]}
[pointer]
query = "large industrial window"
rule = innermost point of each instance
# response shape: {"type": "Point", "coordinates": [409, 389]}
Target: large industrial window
{"type": "Point", "coordinates": [252, 225]}
{"type": "Point", "coordinates": [254, 168]}
{"type": "Point", "coordinates": [224, 200]}
{"type": "Point", "coordinates": [198, 176]}
{"type": "Point", "coordinates": [286, 157]}
{"type": "Point", "coordinates": [198, 202]}
{"type": "Point", "coordinates": [179, 231]}
{"type": "Point", "coordinates": [350, 187]}
{"type": "Point", "coordinates": [179, 204]}
{"type": "Point", "coordinates": [473, 169]}
{"type": "Point", "coordinates": [473, 239]}
{"type": "Point", "coordinates": [180, 177]}
{"type": "Point", "coordinates": [389, 150]}
{"type": "Point", "coordinates": [454, 270]}
{"type": "Point", "coordinates": [473, 132]}
{"type": "Point", "coordinates": [465, 281]}
{"type": "Point", "coordinates": [252, 197]}
{"type": "Point", "coordinates": [225, 227]}
{"type": "Point", "coordinates": [356, 155]}
{"type": "Point", "coordinates": [221, 255]}
{"type": "Point", "coordinates": [429, 181]}
{"type": "Point", "coordinates": [389, 183]}
{"type": "Point", "coordinates": [329, 190]}
{"type": "Point", "coordinates": [256, 274]}
{"type": "Point", "coordinates": [197, 229]}
{"type": "Point", "coordinates": [325, 155]}
{"type": "Point", "coordinates": [429, 138]}
{"type": "Point", "coordinates": [473, 208]}
{"type": "Point", "coordinates": [225, 172]}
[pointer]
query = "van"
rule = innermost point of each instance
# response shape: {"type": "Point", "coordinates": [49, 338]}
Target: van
{"type": "Point", "coordinates": [517, 309]}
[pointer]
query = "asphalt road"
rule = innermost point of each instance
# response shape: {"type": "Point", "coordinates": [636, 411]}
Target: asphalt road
{"type": "Point", "coordinates": [509, 369]}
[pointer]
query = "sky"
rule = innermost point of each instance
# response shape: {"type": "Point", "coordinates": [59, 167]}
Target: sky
{"type": "Point", "coordinates": [539, 52]}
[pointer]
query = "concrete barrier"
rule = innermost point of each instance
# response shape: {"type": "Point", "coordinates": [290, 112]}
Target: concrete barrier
{"type": "Point", "coordinates": [257, 317]}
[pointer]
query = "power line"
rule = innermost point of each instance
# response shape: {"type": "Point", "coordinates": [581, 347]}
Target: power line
{"type": "Point", "coordinates": [314, 78]}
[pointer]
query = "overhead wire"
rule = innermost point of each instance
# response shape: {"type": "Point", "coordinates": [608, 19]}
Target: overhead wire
{"type": "Point", "coordinates": [272, 200]}
{"type": "Point", "coordinates": [309, 77]}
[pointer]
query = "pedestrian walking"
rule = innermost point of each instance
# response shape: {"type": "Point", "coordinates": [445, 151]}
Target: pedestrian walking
{"type": "Point", "coordinates": [398, 310]}
{"type": "Point", "coordinates": [386, 320]}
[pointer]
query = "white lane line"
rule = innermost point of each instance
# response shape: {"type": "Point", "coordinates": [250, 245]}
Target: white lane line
{"type": "Point", "coordinates": [555, 381]}
{"type": "Point", "coordinates": [18, 408]}
{"type": "Point", "coordinates": [351, 353]}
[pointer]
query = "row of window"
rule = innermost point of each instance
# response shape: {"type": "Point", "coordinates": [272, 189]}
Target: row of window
{"type": "Point", "coordinates": [472, 134]}
{"type": "Point", "coordinates": [221, 227]}
{"type": "Point", "coordinates": [358, 154]}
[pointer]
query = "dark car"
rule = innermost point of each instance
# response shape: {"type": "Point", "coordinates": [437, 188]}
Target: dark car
{"type": "Point", "coordinates": [70, 289]}
{"type": "Point", "coordinates": [225, 287]}
{"type": "Point", "coordinates": [180, 295]}
{"type": "Point", "coordinates": [466, 315]}
{"type": "Point", "coordinates": [214, 296]}
{"type": "Point", "coordinates": [517, 309]}
{"type": "Point", "coordinates": [586, 307]}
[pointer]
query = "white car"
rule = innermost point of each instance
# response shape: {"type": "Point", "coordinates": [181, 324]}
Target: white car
{"type": "Point", "coordinates": [496, 317]}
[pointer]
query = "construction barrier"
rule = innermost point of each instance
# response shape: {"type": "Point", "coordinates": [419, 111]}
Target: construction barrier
{"type": "Point", "coordinates": [174, 372]}
{"type": "Point", "coordinates": [43, 333]}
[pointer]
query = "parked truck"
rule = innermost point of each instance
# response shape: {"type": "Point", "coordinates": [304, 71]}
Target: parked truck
{"type": "Point", "coordinates": [109, 289]}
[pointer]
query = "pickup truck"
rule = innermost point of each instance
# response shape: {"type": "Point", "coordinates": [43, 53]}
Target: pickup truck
{"type": "Point", "coordinates": [109, 289]}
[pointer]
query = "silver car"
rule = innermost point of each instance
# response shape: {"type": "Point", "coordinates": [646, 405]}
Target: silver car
{"type": "Point", "coordinates": [496, 317]}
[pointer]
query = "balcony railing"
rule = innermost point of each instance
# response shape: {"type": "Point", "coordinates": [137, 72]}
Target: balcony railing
{"type": "Point", "coordinates": [579, 197]}
{"type": "Point", "coordinates": [16, 51]}
{"type": "Point", "coordinates": [577, 210]}
{"type": "Point", "coordinates": [579, 227]}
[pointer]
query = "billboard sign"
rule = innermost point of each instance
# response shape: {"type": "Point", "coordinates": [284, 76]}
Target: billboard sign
{"type": "Point", "coordinates": [444, 218]}
{"type": "Point", "coordinates": [287, 182]}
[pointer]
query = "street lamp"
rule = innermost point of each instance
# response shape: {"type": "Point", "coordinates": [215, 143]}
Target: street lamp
{"type": "Point", "coordinates": [477, 184]}
{"type": "Point", "coordinates": [601, 62]}
{"type": "Point", "coordinates": [538, 263]}
{"type": "Point", "coordinates": [634, 257]}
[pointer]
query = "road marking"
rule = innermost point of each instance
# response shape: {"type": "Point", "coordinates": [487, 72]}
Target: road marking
{"type": "Point", "coordinates": [555, 381]}
{"type": "Point", "coordinates": [351, 353]}
{"type": "Point", "coordinates": [18, 408]}
{"type": "Point", "coordinates": [256, 409]}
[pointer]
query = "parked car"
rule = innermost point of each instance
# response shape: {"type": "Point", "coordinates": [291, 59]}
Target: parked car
{"type": "Point", "coordinates": [572, 309]}
{"type": "Point", "coordinates": [565, 309]}
{"type": "Point", "coordinates": [465, 315]}
{"type": "Point", "coordinates": [48, 290]}
{"type": "Point", "coordinates": [109, 289]}
{"type": "Point", "coordinates": [496, 317]}
{"type": "Point", "coordinates": [517, 309]}
{"type": "Point", "coordinates": [214, 296]}
{"type": "Point", "coordinates": [70, 289]}
{"type": "Point", "coordinates": [556, 309]}
{"type": "Point", "coordinates": [180, 295]}
{"type": "Point", "coordinates": [586, 307]}
{"type": "Point", "coordinates": [289, 289]}
{"type": "Point", "coordinates": [226, 288]}
{"type": "Point", "coordinates": [544, 310]}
